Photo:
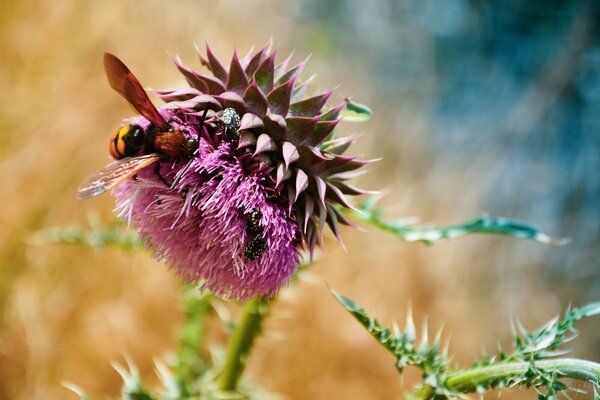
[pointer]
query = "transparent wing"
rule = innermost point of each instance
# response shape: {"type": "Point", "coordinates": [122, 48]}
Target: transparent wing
{"type": "Point", "coordinates": [114, 174]}
{"type": "Point", "coordinates": [122, 80]}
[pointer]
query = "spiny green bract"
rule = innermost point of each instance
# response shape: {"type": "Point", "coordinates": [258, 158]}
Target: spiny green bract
{"type": "Point", "coordinates": [527, 365]}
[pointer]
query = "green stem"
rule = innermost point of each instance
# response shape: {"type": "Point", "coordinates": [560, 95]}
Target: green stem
{"type": "Point", "coordinates": [468, 380]}
{"type": "Point", "coordinates": [190, 360]}
{"type": "Point", "coordinates": [240, 343]}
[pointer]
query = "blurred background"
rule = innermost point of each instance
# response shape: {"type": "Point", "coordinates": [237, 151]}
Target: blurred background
{"type": "Point", "coordinates": [479, 106]}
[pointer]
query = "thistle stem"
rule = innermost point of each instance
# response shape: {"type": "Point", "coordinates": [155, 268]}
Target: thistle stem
{"type": "Point", "coordinates": [240, 343]}
{"type": "Point", "coordinates": [468, 380]}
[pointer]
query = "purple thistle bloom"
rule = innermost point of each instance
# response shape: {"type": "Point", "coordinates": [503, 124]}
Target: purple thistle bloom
{"type": "Point", "coordinates": [267, 176]}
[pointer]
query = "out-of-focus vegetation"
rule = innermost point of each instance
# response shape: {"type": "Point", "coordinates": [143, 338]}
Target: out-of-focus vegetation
{"type": "Point", "coordinates": [479, 106]}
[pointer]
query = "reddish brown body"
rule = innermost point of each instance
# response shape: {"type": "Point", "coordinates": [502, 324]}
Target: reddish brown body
{"type": "Point", "coordinates": [133, 147]}
{"type": "Point", "coordinates": [171, 143]}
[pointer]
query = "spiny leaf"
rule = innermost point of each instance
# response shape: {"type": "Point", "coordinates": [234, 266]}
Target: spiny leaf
{"type": "Point", "coordinates": [77, 390]}
{"type": "Point", "coordinates": [401, 344]}
{"type": "Point", "coordinates": [115, 234]}
{"type": "Point", "coordinates": [430, 234]}
{"type": "Point", "coordinates": [132, 388]}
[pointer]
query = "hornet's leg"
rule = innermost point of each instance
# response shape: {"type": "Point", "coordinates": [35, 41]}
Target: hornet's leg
{"type": "Point", "coordinates": [157, 170]}
{"type": "Point", "coordinates": [187, 166]}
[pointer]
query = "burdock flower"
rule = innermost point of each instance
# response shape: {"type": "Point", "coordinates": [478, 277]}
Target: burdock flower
{"type": "Point", "coordinates": [266, 177]}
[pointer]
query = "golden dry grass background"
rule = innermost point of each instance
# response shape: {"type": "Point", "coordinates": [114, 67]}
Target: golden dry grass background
{"type": "Point", "coordinates": [67, 312]}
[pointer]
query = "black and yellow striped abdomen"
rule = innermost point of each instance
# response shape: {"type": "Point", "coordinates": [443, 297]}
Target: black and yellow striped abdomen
{"type": "Point", "coordinates": [127, 142]}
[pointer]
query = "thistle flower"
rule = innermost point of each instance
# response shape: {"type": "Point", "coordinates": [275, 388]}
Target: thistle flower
{"type": "Point", "coordinates": [267, 176]}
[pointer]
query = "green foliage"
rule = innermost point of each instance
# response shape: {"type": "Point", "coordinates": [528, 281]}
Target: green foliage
{"type": "Point", "coordinates": [527, 365]}
{"type": "Point", "coordinates": [356, 112]}
{"type": "Point", "coordinates": [408, 232]}
{"type": "Point", "coordinates": [403, 345]}
{"type": "Point", "coordinates": [132, 388]}
{"type": "Point", "coordinates": [543, 342]}
{"type": "Point", "coordinates": [97, 236]}
{"type": "Point", "coordinates": [191, 361]}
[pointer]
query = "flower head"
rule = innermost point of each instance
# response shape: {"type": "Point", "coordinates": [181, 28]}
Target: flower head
{"type": "Point", "coordinates": [267, 176]}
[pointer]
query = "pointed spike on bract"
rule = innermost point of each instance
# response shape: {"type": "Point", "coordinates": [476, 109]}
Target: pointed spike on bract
{"type": "Point", "coordinates": [309, 208]}
{"type": "Point", "coordinates": [410, 328]}
{"type": "Point", "coordinates": [203, 60]}
{"type": "Point", "coordinates": [264, 143]}
{"type": "Point", "coordinates": [290, 153]}
{"type": "Point", "coordinates": [246, 139]}
{"type": "Point", "coordinates": [190, 76]}
{"type": "Point", "coordinates": [281, 68]}
{"type": "Point", "coordinates": [257, 59]}
{"type": "Point", "coordinates": [291, 195]}
{"type": "Point", "coordinates": [437, 339]}
{"type": "Point", "coordinates": [237, 80]}
{"type": "Point", "coordinates": [256, 101]}
{"type": "Point", "coordinates": [344, 176]}
{"type": "Point", "coordinates": [520, 328]}
{"type": "Point", "coordinates": [335, 194]}
{"type": "Point", "coordinates": [446, 347]}
{"type": "Point", "coordinates": [424, 335]}
{"type": "Point", "coordinates": [321, 189]}
{"type": "Point", "coordinates": [396, 332]}
{"type": "Point", "coordinates": [333, 113]}
{"type": "Point", "coordinates": [300, 90]}
{"type": "Point", "coordinates": [76, 389]}
{"type": "Point", "coordinates": [247, 57]}
{"type": "Point", "coordinates": [310, 106]}
{"type": "Point", "coordinates": [279, 98]}
{"type": "Point", "coordinates": [299, 129]}
{"type": "Point", "coordinates": [230, 99]}
{"type": "Point", "coordinates": [251, 121]}
{"type": "Point", "coordinates": [275, 126]}
{"type": "Point", "coordinates": [301, 183]}
{"type": "Point", "coordinates": [322, 131]}
{"type": "Point", "coordinates": [350, 190]}
{"type": "Point", "coordinates": [344, 220]}
{"type": "Point", "coordinates": [294, 72]}
{"type": "Point", "coordinates": [513, 328]}
{"type": "Point", "coordinates": [120, 368]}
{"type": "Point", "coordinates": [311, 240]}
{"type": "Point", "coordinates": [282, 174]}
{"type": "Point", "coordinates": [333, 224]}
{"type": "Point", "coordinates": [338, 146]}
{"type": "Point", "coordinates": [264, 74]}
{"type": "Point", "coordinates": [215, 65]}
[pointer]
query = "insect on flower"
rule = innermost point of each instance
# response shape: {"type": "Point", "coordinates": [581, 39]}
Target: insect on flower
{"type": "Point", "coordinates": [159, 141]}
{"type": "Point", "coordinates": [247, 171]}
